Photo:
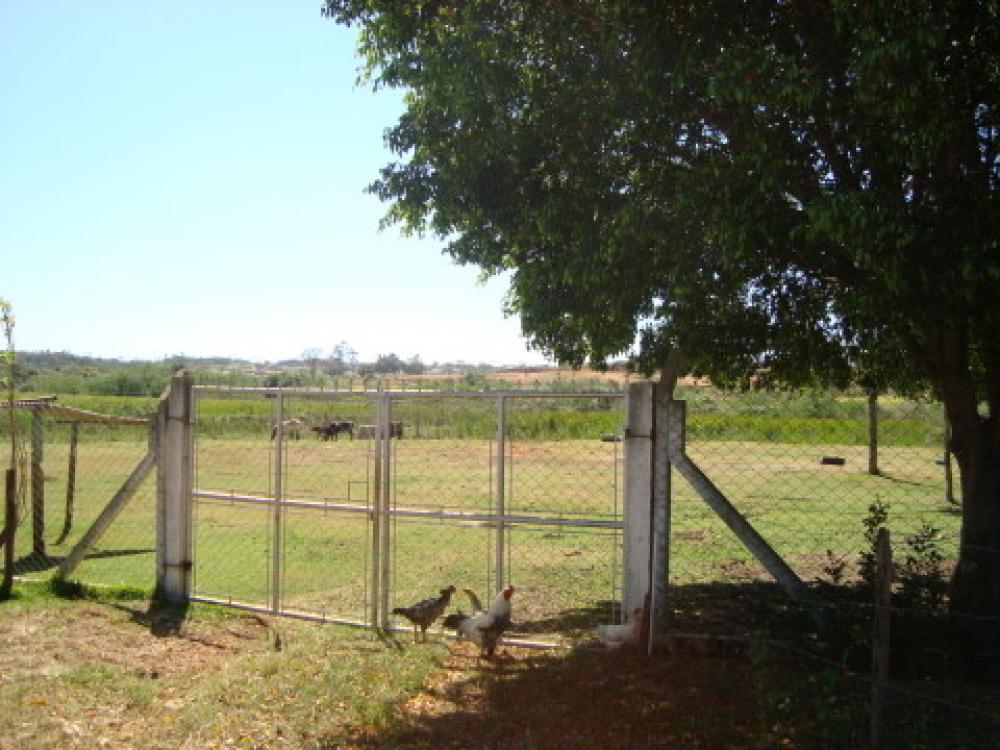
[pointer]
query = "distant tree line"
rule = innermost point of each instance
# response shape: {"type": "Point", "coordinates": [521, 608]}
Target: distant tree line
{"type": "Point", "coordinates": [48, 372]}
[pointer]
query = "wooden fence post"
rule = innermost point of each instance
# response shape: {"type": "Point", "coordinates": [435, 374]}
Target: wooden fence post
{"type": "Point", "coordinates": [873, 433]}
{"type": "Point", "coordinates": [880, 638]}
{"type": "Point", "coordinates": [10, 531]}
{"type": "Point", "coordinates": [74, 439]}
{"type": "Point", "coordinates": [174, 488]}
{"type": "Point", "coordinates": [949, 482]}
{"type": "Point", "coordinates": [37, 485]}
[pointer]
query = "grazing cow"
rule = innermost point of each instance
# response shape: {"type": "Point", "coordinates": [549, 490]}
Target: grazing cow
{"type": "Point", "coordinates": [290, 428]}
{"type": "Point", "coordinates": [331, 429]}
{"type": "Point", "coordinates": [396, 430]}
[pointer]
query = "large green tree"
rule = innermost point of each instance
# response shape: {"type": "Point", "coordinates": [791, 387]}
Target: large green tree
{"type": "Point", "coordinates": [774, 182]}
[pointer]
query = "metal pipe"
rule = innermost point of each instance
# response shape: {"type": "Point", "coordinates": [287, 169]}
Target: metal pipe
{"type": "Point", "coordinates": [501, 492]}
{"type": "Point", "coordinates": [276, 515]}
{"type": "Point", "coordinates": [385, 421]}
{"type": "Point", "coordinates": [427, 514]}
{"type": "Point", "coordinates": [321, 393]}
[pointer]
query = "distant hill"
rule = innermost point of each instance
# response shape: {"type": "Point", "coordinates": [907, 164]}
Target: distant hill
{"type": "Point", "coordinates": [52, 360]}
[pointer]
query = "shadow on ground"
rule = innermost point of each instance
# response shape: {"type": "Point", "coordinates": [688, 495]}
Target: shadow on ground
{"type": "Point", "coordinates": [579, 699]}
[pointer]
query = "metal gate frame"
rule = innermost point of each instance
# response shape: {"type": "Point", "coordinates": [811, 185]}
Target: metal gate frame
{"type": "Point", "coordinates": [381, 510]}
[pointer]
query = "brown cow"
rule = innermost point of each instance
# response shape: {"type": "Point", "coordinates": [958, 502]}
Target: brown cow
{"type": "Point", "coordinates": [367, 431]}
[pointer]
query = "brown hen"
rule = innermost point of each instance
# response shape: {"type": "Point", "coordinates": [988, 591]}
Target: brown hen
{"type": "Point", "coordinates": [426, 611]}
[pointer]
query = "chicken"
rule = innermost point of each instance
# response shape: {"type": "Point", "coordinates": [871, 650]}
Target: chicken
{"type": "Point", "coordinates": [614, 636]}
{"type": "Point", "coordinates": [483, 628]}
{"type": "Point", "coordinates": [426, 611]}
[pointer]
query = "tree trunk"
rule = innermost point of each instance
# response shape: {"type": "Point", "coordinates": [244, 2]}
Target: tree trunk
{"type": "Point", "coordinates": [975, 444]}
{"type": "Point", "coordinates": [976, 582]}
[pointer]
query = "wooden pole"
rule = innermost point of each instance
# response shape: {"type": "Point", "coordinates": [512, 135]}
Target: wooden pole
{"type": "Point", "coordinates": [37, 485]}
{"type": "Point", "coordinates": [108, 515]}
{"type": "Point", "coordinates": [949, 481]}
{"type": "Point", "coordinates": [880, 638]}
{"type": "Point", "coordinates": [10, 532]}
{"type": "Point", "coordinates": [74, 437]}
{"type": "Point", "coordinates": [873, 433]}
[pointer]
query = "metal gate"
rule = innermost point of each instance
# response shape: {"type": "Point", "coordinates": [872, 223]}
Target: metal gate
{"type": "Point", "coordinates": [415, 491]}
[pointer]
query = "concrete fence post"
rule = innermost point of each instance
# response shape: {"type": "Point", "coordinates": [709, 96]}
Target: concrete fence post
{"type": "Point", "coordinates": [638, 495]}
{"type": "Point", "coordinates": [660, 562]}
{"type": "Point", "coordinates": [174, 487]}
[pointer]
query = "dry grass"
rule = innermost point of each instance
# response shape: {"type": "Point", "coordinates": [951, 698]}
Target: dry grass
{"type": "Point", "coordinates": [92, 674]}
{"type": "Point", "coordinates": [96, 673]}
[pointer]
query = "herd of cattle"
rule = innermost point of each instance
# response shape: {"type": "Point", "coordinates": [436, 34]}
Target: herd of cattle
{"type": "Point", "coordinates": [331, 429]}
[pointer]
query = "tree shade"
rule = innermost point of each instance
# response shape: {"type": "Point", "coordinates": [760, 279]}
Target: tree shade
{"type": "Point", "coordinates": [806, 186]}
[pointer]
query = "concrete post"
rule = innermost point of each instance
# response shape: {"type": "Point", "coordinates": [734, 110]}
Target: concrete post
{"type": "Point", "coordinates": [660, 563]}
{"type": "Point", "coordinates": [175, 484]}
{"type": "Point", "coordinates": [638, 495]}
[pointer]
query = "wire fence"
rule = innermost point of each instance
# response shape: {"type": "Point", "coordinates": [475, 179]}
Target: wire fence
{"type": "Point", "coordinates": [817, 474]}
{"type": "Point", "coordinates": [804, 471]}
{"type": "Point", "coordinates": [325, 518]}
{"type": "Point", "coordinates": [814, 473]}
{"type": "Point", "coordinates": [68, 472]}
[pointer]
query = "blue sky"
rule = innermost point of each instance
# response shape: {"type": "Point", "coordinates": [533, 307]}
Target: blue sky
{"type": "Point", "coordinates": [188, 177]}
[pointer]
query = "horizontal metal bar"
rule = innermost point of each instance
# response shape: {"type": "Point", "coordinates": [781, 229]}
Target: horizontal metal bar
{"type": "Point", "coordinates": [406, 393]}
{"type": "Point", "coordinates": [504, 641]}
{"type": "Point", "coordinates": [489, 519]}
{"type": "Point", "coordinates": [486, 519]}
{"type": "Point", "coordinates": [313, 617]}
{"type": "Point", "coordinates": [258, 500]}
{"type": "Point", "coordinates": [294, 613]}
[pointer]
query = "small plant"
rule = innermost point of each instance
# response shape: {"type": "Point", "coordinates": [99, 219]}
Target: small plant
{"type": "Point", "coordinates": [921, 576]}
{"type": "Point", "coordinates": [834, 568]}
{"type": "Point", "coordinates": [878, 515]}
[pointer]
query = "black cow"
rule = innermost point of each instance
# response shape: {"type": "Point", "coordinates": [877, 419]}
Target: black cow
{"type": "Point", "coordinates": [332, 429]}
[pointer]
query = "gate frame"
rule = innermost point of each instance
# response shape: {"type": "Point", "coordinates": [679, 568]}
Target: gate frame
{"type": "Point", "coordinates": [176, 492]}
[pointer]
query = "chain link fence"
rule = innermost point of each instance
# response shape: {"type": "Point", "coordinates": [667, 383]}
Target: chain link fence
{"type": "Point", "coordinates": [804, 470]}
{"type": "Point", "coordinates": [70, 465]}
{"type": "Point", "coordinates": [473, 490]}
{"type": "Point", "coordinates": [817, 474]}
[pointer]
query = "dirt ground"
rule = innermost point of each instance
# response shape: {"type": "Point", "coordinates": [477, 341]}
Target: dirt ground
{"type": "Point", "coordinates": [525, 699]}
{"type": "Point", "coordinates": [582, 700]}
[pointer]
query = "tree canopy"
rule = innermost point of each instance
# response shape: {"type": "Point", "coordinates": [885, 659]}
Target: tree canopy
{"type": "Point", "coordinates": [793, 184]}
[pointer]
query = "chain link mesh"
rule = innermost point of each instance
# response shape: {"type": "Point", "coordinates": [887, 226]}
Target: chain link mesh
{"type": "Point", "coordinates": [802, 470]}
{"type": "Point", "coordinates": [537, 503]}
{"type": "Point", "coordinates": [68, 472]}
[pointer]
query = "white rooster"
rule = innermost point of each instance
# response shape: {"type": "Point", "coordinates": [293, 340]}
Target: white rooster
{"type": "Point", "coordinates": [614, 636]}
{"type": "Point", "coordinates": [483, 628]}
